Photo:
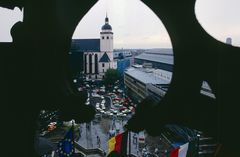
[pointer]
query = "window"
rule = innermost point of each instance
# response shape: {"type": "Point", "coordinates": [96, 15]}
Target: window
{"type": "Point", "coordinates": [103, 70]}
{"type": "Point", "coordinates": [90, 63]}
{"type": "Point", "coordinates": [96, 63]}
{"type": "Point", "coordinates": [107, 37]}
{"type": "Point", "coordinates": [85, 63]}
{"type": "Point", "coordinates": [103, 65]}
{"type": "Point", "coordinates": [102, 37]}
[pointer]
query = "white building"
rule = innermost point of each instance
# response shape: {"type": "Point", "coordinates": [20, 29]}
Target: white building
{"type": "Point", "coordinates": [98, 53]}
{"type": "Point", "coordinates": [145, 81]}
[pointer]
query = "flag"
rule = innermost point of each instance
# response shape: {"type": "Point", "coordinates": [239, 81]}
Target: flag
{"type": "Point", "coordinates": [180, 151]}
{"type": "Point", "coordinates": [66, 146]}
{"type": "Point", "coordinates": [118, 143]}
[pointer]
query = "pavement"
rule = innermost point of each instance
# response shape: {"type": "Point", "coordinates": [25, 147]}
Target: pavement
{"type": "Point", "coordinates": [100, 128]}
{"type": "Point", "coordinates": [89, 133]}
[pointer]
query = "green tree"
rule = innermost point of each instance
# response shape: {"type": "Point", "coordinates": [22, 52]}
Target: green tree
{"type": "Point", "coordinates": [111, 76]}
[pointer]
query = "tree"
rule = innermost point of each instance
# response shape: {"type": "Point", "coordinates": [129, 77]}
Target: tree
{"type": "Point", "coordinates": [111, 76]}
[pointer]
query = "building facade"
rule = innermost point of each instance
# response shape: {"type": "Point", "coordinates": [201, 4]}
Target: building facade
{"type": "Point", "coordinates": [144, 82]}
{"type": "Point", "coordinates": [96, 54]}
{"type": "Point", "coordinates": [123, 64]}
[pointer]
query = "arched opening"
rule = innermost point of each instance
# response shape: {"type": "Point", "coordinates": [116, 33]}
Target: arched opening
{"type": "Point", "coordinates": [117, 85]}
{"type": "Point", "coordinates": [219, 19]}
{"type": "Point", "coordinates": [90, 63]}
{"type": "Point", "coordinates": [96, 65]}
{"type": "Point", "coordinates": [143, 68]}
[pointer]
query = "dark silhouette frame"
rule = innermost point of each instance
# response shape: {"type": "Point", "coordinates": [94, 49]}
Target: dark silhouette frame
{"type": "Point", "coordinates": [36, 75]}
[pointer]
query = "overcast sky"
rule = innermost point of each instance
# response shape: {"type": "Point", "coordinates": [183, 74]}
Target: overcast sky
{"type": "Point", "coordinates": [136, 26]}
{"type": "Point", "coordinates": [133, 23]}
{"type": "Point", "coordinates": [220, 18]}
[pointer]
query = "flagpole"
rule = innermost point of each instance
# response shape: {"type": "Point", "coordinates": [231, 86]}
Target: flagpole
{"type": "Point", "coordinates": [129, 143]}
{"type": "Point", "coordinates": [73, 137]}
{"type": "Point", "coordinates": [73, 129]}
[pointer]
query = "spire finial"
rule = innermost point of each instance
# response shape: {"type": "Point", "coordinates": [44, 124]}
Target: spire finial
{"type": "Point", "coordinates": [106, 19]}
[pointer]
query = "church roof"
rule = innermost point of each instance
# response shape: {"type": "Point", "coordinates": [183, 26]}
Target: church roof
{"type": "Point", "coordinates": [104, 58]}
{"type": "Point", "coordinates": [85, 45]}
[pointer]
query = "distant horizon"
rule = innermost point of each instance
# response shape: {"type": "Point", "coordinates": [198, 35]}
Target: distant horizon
{"type": "Point", "coordinates": [129, 30]}
{"type": "Point", "coordinates": [130, 47]}
{"type": "Point", "coordinates": [144, 48]}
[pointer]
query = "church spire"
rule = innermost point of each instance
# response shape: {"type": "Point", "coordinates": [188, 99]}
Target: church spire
{"type": "Point", "coordinates": [106, 19]}
{"type": "Point", "coordinates": [106, 26]}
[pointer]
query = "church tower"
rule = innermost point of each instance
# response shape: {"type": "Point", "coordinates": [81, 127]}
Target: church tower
{"type": "Point", "coordinates": [98, 53]}
{"type": "Point", "coordinates": [106, 37]}
{"type": "Point", "coordinates": [106, 47]}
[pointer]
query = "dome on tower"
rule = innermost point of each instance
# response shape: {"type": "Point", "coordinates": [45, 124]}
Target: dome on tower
{"type": "Point", "coordinates": [106, 26]}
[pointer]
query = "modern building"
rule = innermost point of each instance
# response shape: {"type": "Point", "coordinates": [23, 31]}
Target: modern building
{"type": "Point", "coordinates": [157, 91]}
{"type": "Point", "coordinates": [120, 54]}
{"type": "Point", "coordinates": [156, 60]}
{"type": "Point", "coordinates": [143, 82]}
{"type": "Point", "coordinates": [123, 64]}
{"type": "Point", "coordinates": [97, 53]}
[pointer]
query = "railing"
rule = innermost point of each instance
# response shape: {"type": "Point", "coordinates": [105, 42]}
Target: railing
{"type": "Point", "coordinates": [207, 147]}
{"type": "Point", "coordinates": [98, 151]}
{"type": "Point", "coordinates": [90, 151]}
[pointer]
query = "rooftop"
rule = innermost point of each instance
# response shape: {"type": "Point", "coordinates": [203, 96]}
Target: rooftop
{"type": "Point", "coordinates": [146, 75]}
{"type": "Point", "coordinates": [155, 57]}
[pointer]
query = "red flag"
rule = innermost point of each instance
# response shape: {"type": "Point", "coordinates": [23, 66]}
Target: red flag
{"type": "Point", "coordinates": [118, 143]}
{"type": "Point", "coordinates": [180, 151]}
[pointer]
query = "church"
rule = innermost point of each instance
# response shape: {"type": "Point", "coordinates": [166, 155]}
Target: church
{"type": "Point", "coordinates": [97, 53]}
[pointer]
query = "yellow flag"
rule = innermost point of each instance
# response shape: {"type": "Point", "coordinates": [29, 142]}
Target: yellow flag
{"type": "Point", "coordinates": [111, 144]}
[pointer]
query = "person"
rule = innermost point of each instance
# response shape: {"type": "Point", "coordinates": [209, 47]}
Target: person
{"type": "Point", "coordinates": [156, 151]}
{"type": "Point", "coordinates": [98, 141]}
{"type": "Point", "coordinates": [80, 132]}
{"type": "Point", "coordinates": [135, 138]}
{"type": "Point", "coordinates": [88, 126]}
